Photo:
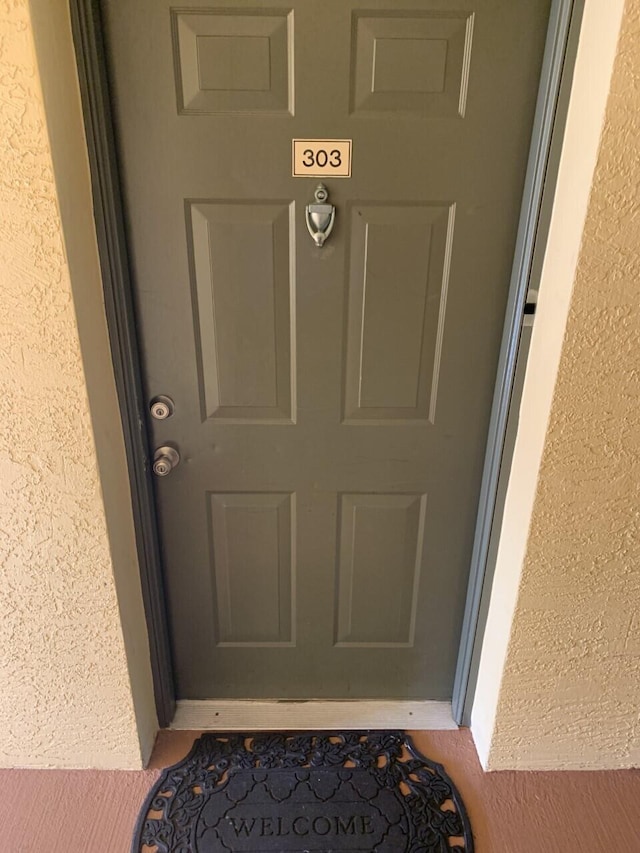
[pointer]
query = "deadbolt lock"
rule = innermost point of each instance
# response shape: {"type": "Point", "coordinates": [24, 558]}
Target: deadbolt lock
{"type": "Point", "coordinates": [165, 459]}
{"type": "Point", "coordinates": [161, 408]}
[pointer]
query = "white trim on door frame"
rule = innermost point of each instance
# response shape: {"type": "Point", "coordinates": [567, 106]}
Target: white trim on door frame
{"type": "Point", "coordinates": [254, 715]}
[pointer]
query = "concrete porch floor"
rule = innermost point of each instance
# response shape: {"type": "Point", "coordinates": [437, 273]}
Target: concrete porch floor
{"type": "Point", "coordinates": [86, 811]}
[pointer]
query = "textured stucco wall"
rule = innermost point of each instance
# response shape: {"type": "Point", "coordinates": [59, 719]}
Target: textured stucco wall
{"type": "Point", "coordinates": [65, 693]}
{"type": "Point", "coordinates": [570, 691]}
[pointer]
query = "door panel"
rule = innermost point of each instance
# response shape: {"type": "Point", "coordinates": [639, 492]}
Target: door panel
{"type": "Point", "coordinates": [254, 570]}
{"type": "Point", "coordinates": [232, 62]}
{"type": "Point", "coordinates": [381, 545]}
{"type": "Point", "coordinates": [393, 341]}
{"type": "Point", "coordinates": [242, 272]}
{"type": "Point", "coordinates": [411, 62]}
{"type": "Point", "coordinates": [332, 405]}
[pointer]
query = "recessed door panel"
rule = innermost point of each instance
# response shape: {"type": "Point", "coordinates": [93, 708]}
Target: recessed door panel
{"type": "Point", "coordinates": [400, 256]}
{"type": "Point", "coordinates": [381, 552]}
{"type": "Point", "coordinates": [321, 394]}
{"type": "Point", "coordinates": [232, 61]}
{"type": "Point", "coordinates": [414, 63]}
{"type": "Point", "coordinates": [242, 282]}
{"type": "Point", "coordinates": [253, 564]}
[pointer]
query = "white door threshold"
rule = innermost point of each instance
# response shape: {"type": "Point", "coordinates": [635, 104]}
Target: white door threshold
{"type": "Point", "coordinates": [227, 715]}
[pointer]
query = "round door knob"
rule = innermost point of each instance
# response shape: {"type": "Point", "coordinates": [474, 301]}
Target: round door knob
{"type": "Point", "coordinates": [161, 408]}
{"type": "Point", "coordinates": [165, 460]}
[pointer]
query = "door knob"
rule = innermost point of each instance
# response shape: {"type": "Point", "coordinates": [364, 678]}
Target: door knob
{"type": "Point", "coordinates": [165, 459]}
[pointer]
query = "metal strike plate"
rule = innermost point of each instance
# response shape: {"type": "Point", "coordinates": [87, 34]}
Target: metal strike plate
{"type": "Point", "coordinates": [530, 308]}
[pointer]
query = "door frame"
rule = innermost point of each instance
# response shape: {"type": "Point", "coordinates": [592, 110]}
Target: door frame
{"type": "Point", "coordinates": [535, 217]}
{"type": "Point", "coordinates": [108, 208]}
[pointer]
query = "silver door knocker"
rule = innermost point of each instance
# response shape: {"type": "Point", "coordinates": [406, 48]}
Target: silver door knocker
{"type": "Point", "coordinates": [320, 216]}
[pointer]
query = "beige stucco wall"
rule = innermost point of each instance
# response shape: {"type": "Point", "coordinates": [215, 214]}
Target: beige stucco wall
{"type": "Point", "coordinates": [570, 690]}
{"type": "Point", "coordinates": [65, 697]}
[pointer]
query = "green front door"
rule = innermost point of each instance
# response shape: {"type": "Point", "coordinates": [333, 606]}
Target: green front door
{"type": "Point", "coordinates": [331, 405]}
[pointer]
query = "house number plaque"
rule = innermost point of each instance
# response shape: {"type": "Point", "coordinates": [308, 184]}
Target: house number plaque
{"type": "Point", "coordinates": [322, 158]}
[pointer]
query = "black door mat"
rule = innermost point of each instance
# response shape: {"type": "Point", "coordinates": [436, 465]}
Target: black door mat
{"type": "Point", "coordinates": [304, 793]}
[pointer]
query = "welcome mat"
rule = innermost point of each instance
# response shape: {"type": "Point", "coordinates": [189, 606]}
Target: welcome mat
{"type": "Point", "coordinates": [304, 793]}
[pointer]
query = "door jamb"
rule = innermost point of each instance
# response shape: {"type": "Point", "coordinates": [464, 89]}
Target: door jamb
{"type": "Point", "coordinates": [108, 211]}
{"type": "Point", "coordinates": [535, 216]}
{"type": "Point", "coordinates": [109, 218]}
